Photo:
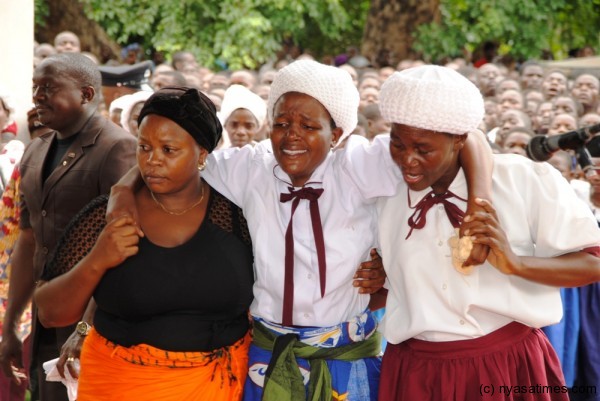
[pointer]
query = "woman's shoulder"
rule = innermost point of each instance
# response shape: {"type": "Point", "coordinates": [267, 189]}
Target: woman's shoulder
{"type": "Point", "coordinates": [79, 237]}
{"type": "Point", "coordinates": [92, 213]}
{"type": "Point", "coordinates": [220, 204]}
{"type": "Point", "coordinates": [226, 215]}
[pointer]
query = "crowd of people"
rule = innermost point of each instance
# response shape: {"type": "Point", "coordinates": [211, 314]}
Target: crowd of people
{"type": "Point", "coordinates": [238, 254]}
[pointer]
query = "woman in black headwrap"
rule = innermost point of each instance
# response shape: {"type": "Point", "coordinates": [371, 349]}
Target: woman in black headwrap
{"type": "Point", "coordinates": [171, 322]}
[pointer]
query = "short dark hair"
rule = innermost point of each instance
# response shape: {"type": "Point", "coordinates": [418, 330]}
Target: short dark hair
{"type": "Point", "coordinates": [80, 68]}
{"type": "Point", "coordinates": [178, 78]}
{"type": "Point", "coordinates": [523, 130]}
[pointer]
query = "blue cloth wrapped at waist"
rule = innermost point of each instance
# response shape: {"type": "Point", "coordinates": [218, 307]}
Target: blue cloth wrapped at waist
{"type": "Point", "coordinates": [357, 329]}
{"type": "Point", "coordinates": [336, 351]}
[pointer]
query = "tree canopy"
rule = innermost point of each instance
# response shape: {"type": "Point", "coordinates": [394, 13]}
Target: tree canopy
{"type": "Point", "coordinates": [523, 28]}
{"type": "Point", "coordinates": [240, 33]}
{"type": "Point", "coordinates": [248, 33]}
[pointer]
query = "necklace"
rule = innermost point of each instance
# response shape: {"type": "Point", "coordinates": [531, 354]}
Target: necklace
{"type": "Point", "coordinates": [177, 212]}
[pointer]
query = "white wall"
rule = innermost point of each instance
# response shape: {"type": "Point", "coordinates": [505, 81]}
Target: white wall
{"type": "Point", "coordinates": [16, 56]}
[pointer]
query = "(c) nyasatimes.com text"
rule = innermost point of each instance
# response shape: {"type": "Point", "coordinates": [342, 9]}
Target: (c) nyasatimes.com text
{"type": "Point", "coordinates": [491, 389]}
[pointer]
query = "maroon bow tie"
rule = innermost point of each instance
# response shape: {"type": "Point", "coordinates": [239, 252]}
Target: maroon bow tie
{"type": "Point", "coordinates": [418, 218]}
{"type": "Point", "coordinates": [312, 195]}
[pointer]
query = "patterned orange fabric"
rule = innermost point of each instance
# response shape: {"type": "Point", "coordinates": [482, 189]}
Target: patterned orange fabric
{"type": "Point", "coordinates": [145, 373]}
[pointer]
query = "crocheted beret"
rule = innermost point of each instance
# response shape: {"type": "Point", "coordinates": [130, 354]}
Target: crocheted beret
{"type": "Point", "coordinates": [240, 97]}
{"type": "Point", "coordinates": [433, 98]}
{"type": "Point", "coordinates": [331, 86]}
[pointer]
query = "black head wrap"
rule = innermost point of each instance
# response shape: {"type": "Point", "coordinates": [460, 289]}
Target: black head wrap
{"type": "Point", "coordinates": [190, 109]}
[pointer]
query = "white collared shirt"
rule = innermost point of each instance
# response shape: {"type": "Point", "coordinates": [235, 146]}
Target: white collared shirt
{"type": "Point", "coordinates": [250, 178]}
{"type": "Point", "coordinates": [429, 300]}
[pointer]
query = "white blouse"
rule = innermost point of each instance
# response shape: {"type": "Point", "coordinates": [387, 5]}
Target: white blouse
{"type": "Point", "coordinates": [251, 178]}
{"type": "Point", "coordinates": [429, 300]}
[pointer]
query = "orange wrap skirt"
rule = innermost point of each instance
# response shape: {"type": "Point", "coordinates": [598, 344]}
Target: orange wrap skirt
{"type": "Point", "coordinates": [142, 372]}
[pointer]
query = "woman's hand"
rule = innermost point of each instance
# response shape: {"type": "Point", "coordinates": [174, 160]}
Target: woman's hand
{"type": "Point", "coordinates": [117, 241]}
{"type": "Point", "coordinates": [11, 356]}
{"type": "Point", "coordinates": [485, 230]}
{"type": "Point", "coordinates": [480, 252]}
{"type": "Point", "coordinates": [370, 275]}
{"type": "Point", "coordinates": [70, 351]}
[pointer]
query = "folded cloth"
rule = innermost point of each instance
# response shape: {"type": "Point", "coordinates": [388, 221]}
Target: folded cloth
{"type": "Point", "coordinates": [52, 375]}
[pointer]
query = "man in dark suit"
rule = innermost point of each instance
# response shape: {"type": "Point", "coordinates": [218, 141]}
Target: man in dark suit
{"type": "Point", "coordinates": [61, 172]}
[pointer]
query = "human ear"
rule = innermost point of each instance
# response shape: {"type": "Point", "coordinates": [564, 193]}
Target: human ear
{"type": "Point", "coordinates": [87, 94]}
{"type": "Point", "coordinates": [336, 134]}
{"type": "Point", "coordinates": [203, 155]}
{"type": "Point", "coordinates": [459, 141]}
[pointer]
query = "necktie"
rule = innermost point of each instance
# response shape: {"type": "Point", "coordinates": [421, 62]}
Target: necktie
{"type": "Point", "coordinates": [312, 195]}
{"type": "Point", "coordinates": [418, 218]}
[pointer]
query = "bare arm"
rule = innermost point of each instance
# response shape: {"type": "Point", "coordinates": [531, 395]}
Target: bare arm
{"type": "Point", "coordinates": [476, 160]}
{"type": "Point", "coordinates": [122, 200]}
{"type": "Point", "coordinates": [569, 270]}
{"type": "Point", "coordinates": [21, 287]}
{"type": "Point", "coordinates": [62, 300]}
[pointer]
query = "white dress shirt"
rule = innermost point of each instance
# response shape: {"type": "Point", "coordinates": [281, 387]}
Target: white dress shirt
{"type": "Point", "coordinates": [251, 178]}
{"type": "Point", "coordinates": [429, 300]}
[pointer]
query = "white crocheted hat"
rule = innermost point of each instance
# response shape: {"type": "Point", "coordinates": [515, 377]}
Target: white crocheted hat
{"type": "Point", "coordinates": [433, 98]}
{"type": "Point", "coordinates": [331, 86]}
{"type": "Point", "coordinates": [240, 97]}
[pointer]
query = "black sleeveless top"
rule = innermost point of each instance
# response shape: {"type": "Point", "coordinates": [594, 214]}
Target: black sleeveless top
{"type": "Point", "coordinates": [193, 297]}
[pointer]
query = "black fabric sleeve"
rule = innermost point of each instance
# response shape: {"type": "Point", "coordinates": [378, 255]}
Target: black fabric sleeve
{"type": "Point", "coordinates": [79, 237]}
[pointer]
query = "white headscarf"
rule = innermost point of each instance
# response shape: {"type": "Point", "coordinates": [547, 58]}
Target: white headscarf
{"type": "Point", "coordinates": [240, 97]}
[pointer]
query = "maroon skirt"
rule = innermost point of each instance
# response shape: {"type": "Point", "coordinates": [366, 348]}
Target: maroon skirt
{"type": "Point", "coordinates": [515, 362]}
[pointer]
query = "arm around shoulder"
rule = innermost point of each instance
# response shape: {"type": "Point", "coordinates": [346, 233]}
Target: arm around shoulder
{"type": "Point", "coordinates": [370, 166]}
{"type": "Point", "coordinates": [477, 162]}
{"type": "Point", "coordinates": [230, 171]}
{"type": "Point", "coordinates": [119, 159]}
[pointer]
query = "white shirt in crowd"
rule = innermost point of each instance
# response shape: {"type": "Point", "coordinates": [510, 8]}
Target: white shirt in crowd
{"type": "Point", "coordinates": [429, 300]}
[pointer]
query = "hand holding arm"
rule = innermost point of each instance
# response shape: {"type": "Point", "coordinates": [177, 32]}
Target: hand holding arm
{"type": "Point", "coordinates": [62, 300]}
{"type": "Point", "coordinates": [569, 270]}
{"type": "Point", "coordinates": [370, 276]}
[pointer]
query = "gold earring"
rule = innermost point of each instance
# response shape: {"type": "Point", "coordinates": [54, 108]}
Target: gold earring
{"type": "Point", "coordinates": [202, 166]}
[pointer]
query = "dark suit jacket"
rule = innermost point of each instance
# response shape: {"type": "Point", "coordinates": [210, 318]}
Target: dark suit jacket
{"type": "Point", "coordinates": [99, 156]}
